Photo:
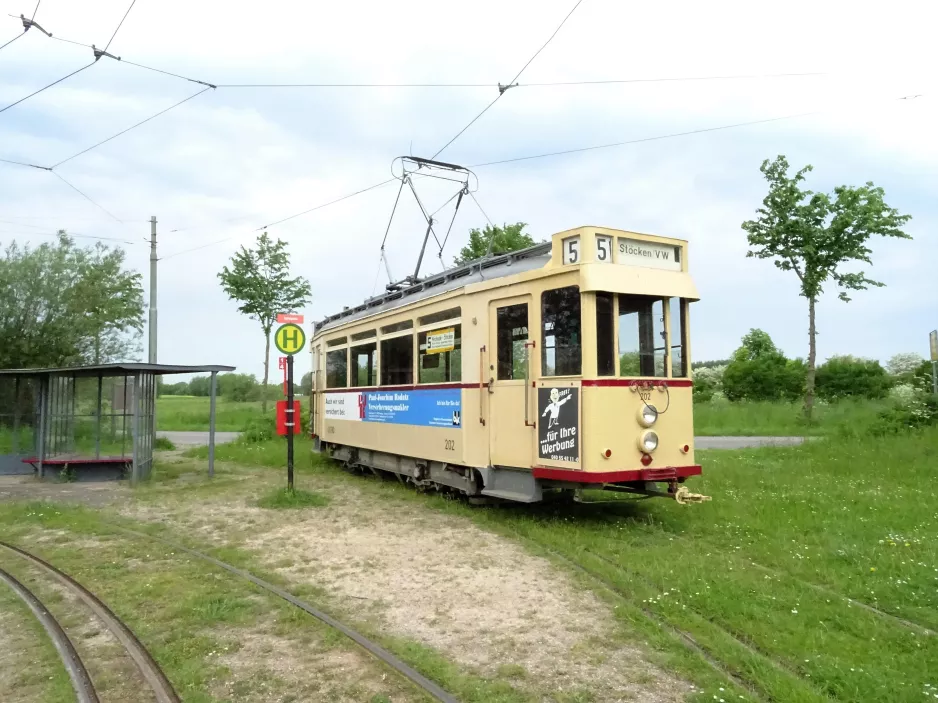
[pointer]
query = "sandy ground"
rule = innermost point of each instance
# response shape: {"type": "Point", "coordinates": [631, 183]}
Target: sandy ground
{"type": "Point", "coordinates": [413, 572]}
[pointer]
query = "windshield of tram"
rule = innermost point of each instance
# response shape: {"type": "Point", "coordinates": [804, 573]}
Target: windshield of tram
{"type": "Point", "coordinates": [632, 338]}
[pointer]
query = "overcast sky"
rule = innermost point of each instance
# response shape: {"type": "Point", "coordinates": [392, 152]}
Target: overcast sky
{"type": "Point", "coordinates": [232, 160]}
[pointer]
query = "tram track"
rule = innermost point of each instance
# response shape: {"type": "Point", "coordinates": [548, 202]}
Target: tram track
{"type": "Point", "coordinates": [373, 648]}
{"type": "Point", "coordinates": [77, 673]}
{"type": "Point", "coordinates": [149, 670]}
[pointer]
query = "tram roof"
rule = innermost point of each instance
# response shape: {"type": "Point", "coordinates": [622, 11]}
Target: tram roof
{"type": "Point", "coordinates": [452, 279]}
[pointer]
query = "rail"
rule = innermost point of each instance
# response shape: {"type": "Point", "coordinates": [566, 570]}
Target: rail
{"type": "Point", "coordinates": [371, 647]}
{"type": "Point", "coordinates": [77, 673]}
{"type": "Point", "coordinates": [151, 672]}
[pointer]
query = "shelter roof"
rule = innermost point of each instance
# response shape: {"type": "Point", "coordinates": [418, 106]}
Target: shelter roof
{"type": "Point", "coordinates": [123, 369]}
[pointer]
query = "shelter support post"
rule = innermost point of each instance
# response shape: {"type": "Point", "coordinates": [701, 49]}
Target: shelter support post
{"type": "Point", "coordinates": [43, 423]}
{"type": "Point", "coordinates": [16, 416]}
{"type": "Point", "coordinates": [97, 420]}
{"type": "Point", "coordinates": [211, 425]}
{"type": "Point", "coordinates": [135, 441]}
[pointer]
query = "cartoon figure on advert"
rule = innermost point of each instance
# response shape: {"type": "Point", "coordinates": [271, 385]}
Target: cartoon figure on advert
{"type": "Point", "coordinates": [554, 407]}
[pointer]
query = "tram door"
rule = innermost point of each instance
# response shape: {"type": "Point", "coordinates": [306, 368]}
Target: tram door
{"type": "Point", "coordinates": [509, 375]}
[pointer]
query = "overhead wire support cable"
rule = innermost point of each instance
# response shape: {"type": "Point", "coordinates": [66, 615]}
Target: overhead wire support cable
{"type": "Point", "coordinates": [503, 88]}
{"type": "Point", "coordinates": [672, 135]}
{"type": "Point", "coordinates": [84, 195]}
{"type": "Point", "coordinates": [272, 224]}
{"type": "Point", "coordinates": [332, 202]}
{"type": "Point", "coordinates": [142, 122]}
{"type": "Point", "coordinates": [47, 87]}
{"type": "Point", "coordinates": [121, 24]}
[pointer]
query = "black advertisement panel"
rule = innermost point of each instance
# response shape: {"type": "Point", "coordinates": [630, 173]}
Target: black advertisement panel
{"type": "Point", "coordinates": [558, 431]}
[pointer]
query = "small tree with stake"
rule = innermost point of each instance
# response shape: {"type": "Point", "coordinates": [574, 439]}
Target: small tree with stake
{"type": "Point", "coordinates": [816, 235]}
{"type": "Point", "coordinates": [259, 279]}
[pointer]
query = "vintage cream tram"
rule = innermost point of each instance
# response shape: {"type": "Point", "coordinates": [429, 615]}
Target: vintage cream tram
{"type": "Point", "coordinates": [560, 367]}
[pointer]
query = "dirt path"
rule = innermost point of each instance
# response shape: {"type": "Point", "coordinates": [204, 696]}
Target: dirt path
{"type": "Point", "coordinates": [410, 571]}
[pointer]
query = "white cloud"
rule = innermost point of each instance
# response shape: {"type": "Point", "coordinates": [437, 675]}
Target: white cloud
{"type": "Point", "coordinates": [231, 160]}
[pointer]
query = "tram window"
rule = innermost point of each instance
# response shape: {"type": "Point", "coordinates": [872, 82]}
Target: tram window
{"type": "Point", "coordinates": [605, 341]}
{"type": "Point", "coordinates": [560, 342]}
{"type": "Point", "coordinates": [397, 361]}
{"type": "Point", "coordinates": [440, 366]}
{"type": "Point", "coordinates": [432, 318]}
{"type": "Point", "coordinates": [358, 336]}
{"type": "Point", "coordinates": [512, 334]}
{"type": "Point", "coordinates": [397, 327]}
{"type": "Point", "coordinates": [336, 342]}
{"type": "Point", "coordinates": [337, 368]}
{"type": "Point", "coordinates": [364, 365]}
{"type": "Point", "coordinates": [642, 343]}
{"type": "Point", "coordinates": [678, 330]}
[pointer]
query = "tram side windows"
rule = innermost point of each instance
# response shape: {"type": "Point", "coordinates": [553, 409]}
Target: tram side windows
{"type": "Point", "coordinates": [605, 339]}
{"type": "Point", "coordinates": [440, 355]}
{"type": "Point", "coordinates": [337, 368]}
{"type": "Point", "coordinates": [678, 332]}
{"type": "Point", "coordinates": [642, 343]}
{"type": "Point", "coordinates": [560, 340]}
{"type": "Point", "coordinates": [512, 334]}
{"type": "Point", "coordinates": [397, 361]}
{"type": "Point", "coordinates": [364, 365]}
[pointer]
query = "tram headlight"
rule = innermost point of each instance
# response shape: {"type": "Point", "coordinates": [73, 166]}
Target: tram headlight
{"type": "Point", "coordinates": [648, 442]}
{"type": "Point", "coordinates": [647, 415]}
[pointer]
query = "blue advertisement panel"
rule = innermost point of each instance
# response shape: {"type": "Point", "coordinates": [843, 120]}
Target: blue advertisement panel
{"type": "Point", "coordinates": [432, 407]}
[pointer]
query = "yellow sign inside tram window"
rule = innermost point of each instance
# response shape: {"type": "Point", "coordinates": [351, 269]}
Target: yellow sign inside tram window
{"type": "Point", "coordinates": [440, 341]}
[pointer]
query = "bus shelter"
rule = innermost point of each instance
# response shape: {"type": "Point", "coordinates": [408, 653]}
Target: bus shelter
{"type": "Point", "coordinates": [86, 422]}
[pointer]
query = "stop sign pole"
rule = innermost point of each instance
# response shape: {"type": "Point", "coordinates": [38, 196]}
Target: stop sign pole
{"type": "Point", "coordinates": [290, 339]}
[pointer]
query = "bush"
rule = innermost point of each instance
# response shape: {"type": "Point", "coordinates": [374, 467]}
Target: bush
{"type": "Point", "coordinates": [760, 371]}
{"type": "Point", "coordinates": [767, 378]}
{"type": "Point", "coordinates": [237, 387]}
{"type": "Point", "coordinates": [708, 380]}
{"type": "Point", "coordinates": [846, 376]}
{"type": "Point", "coordinates": [260, 429]}
{"type": "Point", "coordinates": [922, 411]}
{"type": "Point", "coordinates": [161, 444]}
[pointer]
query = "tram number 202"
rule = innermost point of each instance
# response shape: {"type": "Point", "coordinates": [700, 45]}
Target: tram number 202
{"type": "Point", "coordinates": [449, 445]}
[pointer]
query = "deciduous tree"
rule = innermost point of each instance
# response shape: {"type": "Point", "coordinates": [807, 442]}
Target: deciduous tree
{"type": "Point", "coordinates": [502, 240]}
{"type": "Point", "coordinates": [61, 304]}
{"type": "Point", "coordinates": [821, 238]}
{"type": "Point", "coordinates": [259, 279]}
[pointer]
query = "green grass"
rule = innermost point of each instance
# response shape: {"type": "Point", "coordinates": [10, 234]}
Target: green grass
{"type": "Point", "coordinates": [773, 418]}
{"type": "Point", "coordinates": [191, 413]}
{"type": "Point", "coordinates": [292, 498]}
{"type": "Point", "coordinates": [776, 580]}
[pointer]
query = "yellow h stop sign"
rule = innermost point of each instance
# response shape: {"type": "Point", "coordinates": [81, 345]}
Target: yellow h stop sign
{"type": "Point", "coordinates": [289, 339]}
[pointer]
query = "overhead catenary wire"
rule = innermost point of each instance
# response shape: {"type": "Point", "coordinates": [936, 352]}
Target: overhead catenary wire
{"type": "Point", "coordinates": [47, 87]}
{"type": "Point", "coordinates": [502, 90]}
{"type": "Point", "coordinates": [120, 24]}
{"type": "Point", "coordinates": [4, 233]}
{"type": "Point", "coordinates": [124, 131]}
{"type": "Point", "coordinates": [4, 46]}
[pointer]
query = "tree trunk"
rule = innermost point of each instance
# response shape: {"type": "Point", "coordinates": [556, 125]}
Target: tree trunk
{"type": "Point", "coordinates": [266, 371]}
{"type": "Point", "coordinates": [812, 358]}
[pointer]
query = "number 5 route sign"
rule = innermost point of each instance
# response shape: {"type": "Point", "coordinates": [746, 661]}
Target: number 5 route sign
{"type": "Point", "coordinates": [289, 339]}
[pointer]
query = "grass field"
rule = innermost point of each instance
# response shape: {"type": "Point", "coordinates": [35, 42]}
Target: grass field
{"type": "Point", "coordinates": [811, 576]}
{"type": "Point", "coordinates": [711, 418]}
{"type": "Point", "coordinates": [721, 417]}
{"type": "Point", "coordinates": [180, 412]}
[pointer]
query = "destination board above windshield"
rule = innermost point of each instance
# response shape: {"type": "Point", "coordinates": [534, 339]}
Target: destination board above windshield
{"type": "Point", "coordinates": [627, 251]}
